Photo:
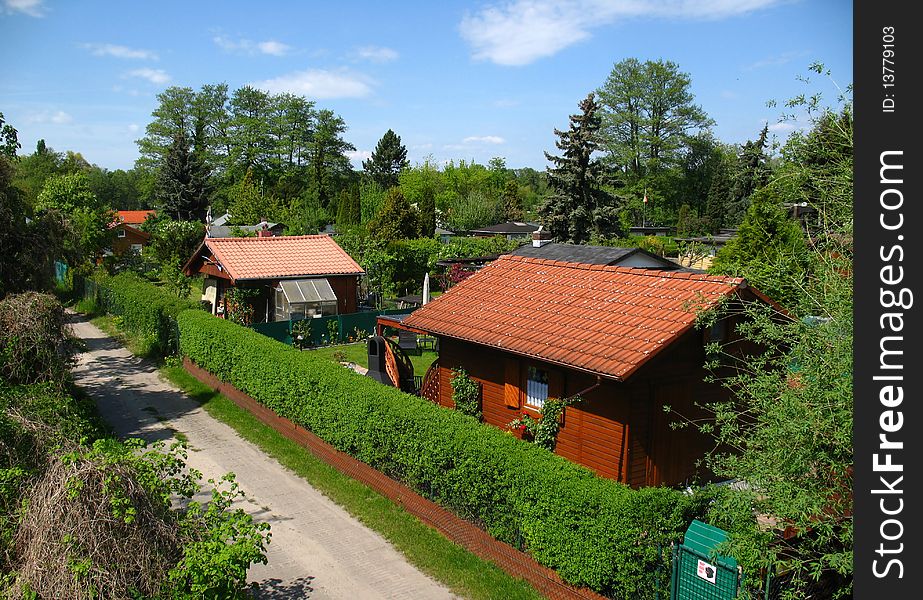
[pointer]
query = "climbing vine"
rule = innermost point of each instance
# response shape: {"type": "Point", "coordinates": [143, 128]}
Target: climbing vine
{"type": "Point", "coordinates": [543, 431]}
{"type": "Point", "coordinates": [466, 393]}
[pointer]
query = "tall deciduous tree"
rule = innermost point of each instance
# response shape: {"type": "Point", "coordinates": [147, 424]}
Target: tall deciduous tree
{"type": "Point", "coordinates": [71, 196]}
{"type": "Point", "coordinates": [578, 205]}
{"type": "Point", "coordinates": [182, 186]}
{"type": "Point", "coordinates": [9, 139]}
{"type": "Point", "coordinates": [248, 206]}
{"type": "Point", "coordinates": [327, 154]}
{"type": "Point", "coordinates": [387, 161]}
{"type": "Point", "coordinates": [648, 113]}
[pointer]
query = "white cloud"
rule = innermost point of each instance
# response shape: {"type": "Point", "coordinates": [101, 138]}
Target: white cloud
{"type": "Point", "coordinates": [274, 48]}
{"type": "Point", "coordinates": [245, 46]}
{"type": "Point", "coordinates": [156, 76]}
{"type": "Point", "coordinates": [377, 54]}
{"type": "Point", "coordinates": [357, 156]}
{"type": "Point", "coordinates": [318, 83]}
{"type": "Point", "coordinates": [519, 32]}
{"type": "Point", "coordinates": [118, 51]}
{"type": "Point", "coordinates": [775, 61]}
{"type": "Point", "coordinates": [57, 117]}
{"type": "Point", "coordinates": [134, 127]}
{"type": "Point", "coordinates": [483, 139]}
{"type": "Point", "coordinates": [781, 127]}
{"type": "Point", "coordinates": [33, 8]}
{"type": "Point", "coordinates": [729, 95]}
{"type": "Point", "coordinates": [506, 103]}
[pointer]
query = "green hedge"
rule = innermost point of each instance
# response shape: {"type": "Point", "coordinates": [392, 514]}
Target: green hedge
{"type": "Point", "coordinates": [146, 310]}
{"type": "Point", "coordinates": [593, 531]}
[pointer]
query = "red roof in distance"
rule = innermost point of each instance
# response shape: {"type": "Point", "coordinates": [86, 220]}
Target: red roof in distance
{"type": "Point", "coordinates": [284, 257]}
{"type": "Point", "coordinates": [134, 217]}
{"type": "Point", "coordinates": [602, 319]}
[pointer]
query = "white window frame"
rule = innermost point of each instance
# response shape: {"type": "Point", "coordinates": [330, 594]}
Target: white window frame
{"type": "Point", "coordinates": [536, 387]}
{"type": "Point", "coordinates": [121, 233]}
{"type": "Point", "coordinates": [137, 248]}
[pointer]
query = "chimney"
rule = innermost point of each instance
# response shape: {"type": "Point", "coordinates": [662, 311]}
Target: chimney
{"type": "Point", "coordinates": [541, 237]}
{"type": "Point", "coordinates": [264, 231]}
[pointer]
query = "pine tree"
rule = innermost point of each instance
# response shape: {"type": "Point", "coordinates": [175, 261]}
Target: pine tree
{"type": "Point", "coordinates": [752, 174]}
{"type": "Point", "coordinates": [387, 161]}
{"type": "Point", "coordinates": [719, 197]}
{"type": "Point", "coordinates": [182, 187]}
{"type": "Point", "coordinates": [578, 206]}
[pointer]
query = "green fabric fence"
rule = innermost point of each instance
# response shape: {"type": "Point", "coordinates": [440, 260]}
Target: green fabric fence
{"type": "Point", "coordinates": [333, 329]}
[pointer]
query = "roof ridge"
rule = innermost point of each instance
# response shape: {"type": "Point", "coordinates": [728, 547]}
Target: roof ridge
{"type": "Point", "coordinates": [629, 270]}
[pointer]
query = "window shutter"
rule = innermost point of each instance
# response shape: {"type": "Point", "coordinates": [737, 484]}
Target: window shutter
{"type": "Point", "coordinates": [511, 383]}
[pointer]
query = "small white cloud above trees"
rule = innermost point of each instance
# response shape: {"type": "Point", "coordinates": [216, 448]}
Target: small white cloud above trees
{"type": "Point", "coordinates": [377, 54]}
{"type": "Point", "coordinates": [32, 8]}
{"type": "Point", "coordinates": [245, 46]}
{"type": "Point", "coordinates": [54, 117]}
{"type": "Point", "coordinates": [155, 76]}
{"type": "Point", "coordinates": [118, 51]}
{"type": "Point", "coordinates": [522, 31]}
{"type": "Point", "coordinates": [318, 84]}
{"type": "Point", "coordinates": [484, 139]}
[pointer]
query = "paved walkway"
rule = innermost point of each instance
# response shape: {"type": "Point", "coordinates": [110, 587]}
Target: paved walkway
{"type": "Point", "coordinates": [317, 550]}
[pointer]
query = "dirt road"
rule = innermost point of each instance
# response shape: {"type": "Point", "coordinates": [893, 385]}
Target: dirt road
{"type": "Point", "coordinates": [317, 551]}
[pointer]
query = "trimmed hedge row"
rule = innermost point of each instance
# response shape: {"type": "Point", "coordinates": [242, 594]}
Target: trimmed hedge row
{"type": "Point", "coordinates": [592, 531]}
{"type": "Point", "coordinates": [145, 309]}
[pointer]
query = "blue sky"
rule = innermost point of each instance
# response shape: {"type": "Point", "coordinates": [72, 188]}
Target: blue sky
{"type": "Point", "coordinates": [456, 80]}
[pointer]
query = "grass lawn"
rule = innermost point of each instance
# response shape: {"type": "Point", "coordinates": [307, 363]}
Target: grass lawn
{"type": "Point", "coordinates": [358, 353]}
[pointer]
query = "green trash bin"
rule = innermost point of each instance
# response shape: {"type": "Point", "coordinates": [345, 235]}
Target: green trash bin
{"type": "Point", "coordinates": [698, 572]}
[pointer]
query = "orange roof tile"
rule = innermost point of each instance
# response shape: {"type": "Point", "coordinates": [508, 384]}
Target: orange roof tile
{"type": "Point", "coordinates": [134, 217]}
{"type": "Point", "coordinates": [282, 257]}
{"type": "Point", "coordinates": [609, 321]}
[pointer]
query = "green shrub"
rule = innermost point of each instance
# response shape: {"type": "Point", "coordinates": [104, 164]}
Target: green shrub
{"type": "Point", "coordinates": [146, 310]}
{"type": "Point", "coordinates": [592, 531]}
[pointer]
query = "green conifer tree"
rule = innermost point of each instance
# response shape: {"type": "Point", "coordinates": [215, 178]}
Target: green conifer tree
{"type": "Point", "coordinates": [578, 205]}
{"type": "Point", "coordinates": [387, 161]}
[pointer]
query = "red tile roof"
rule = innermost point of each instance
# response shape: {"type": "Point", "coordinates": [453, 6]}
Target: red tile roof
{"type": "Point", "coordinates": [602, 319]}
{"type": "Point", "coordinates": [135, 217]}
{"type": "Point", "coordinates": [281, 257]}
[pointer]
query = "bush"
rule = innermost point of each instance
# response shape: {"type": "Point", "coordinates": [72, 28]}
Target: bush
{"type": "Point", "coordinates": [146, 310]}
{"type": "Point", "coordinates": [34, 344]}
{"type": "Point", "coordinates": [593, 531]}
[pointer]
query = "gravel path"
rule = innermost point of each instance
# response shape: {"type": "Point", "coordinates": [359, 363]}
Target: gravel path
{"type": "Point", "coordinates": [317, 550]}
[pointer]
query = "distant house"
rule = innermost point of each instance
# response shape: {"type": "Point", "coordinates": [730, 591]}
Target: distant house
{"type": "Point", "coordinates": [511, 230]}
{"type": "Point", "coordinates": [264, 228]}
{"type": "Point", "coordinates": [597, 255]}
{"type": "Point", "coordinates": [623, 339]}
{"type": "Point", "coordinates": [445, 236]}
{"type": "Point", "coordinates": [652, 230]}
{"type": "Point", "coordinates": [294, 276]}
{"type": "Point", "coordinates": [710, 245]}
{"type": "Point", "coordinates": [128, 235]}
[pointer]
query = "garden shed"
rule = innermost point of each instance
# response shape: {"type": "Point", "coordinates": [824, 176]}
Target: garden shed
{"type": "Point", "coordinates": [301, 298]}
{"type": "Point", "coordinates": [623, 339]}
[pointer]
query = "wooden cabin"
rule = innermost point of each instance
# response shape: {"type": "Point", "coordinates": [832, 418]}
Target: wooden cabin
{"type": "Point", "coordinates": [128, 235]}
{"type": "Point", "coordinates": [294, 276]}
{"type": "Point", "coordinates": [623, 339]}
